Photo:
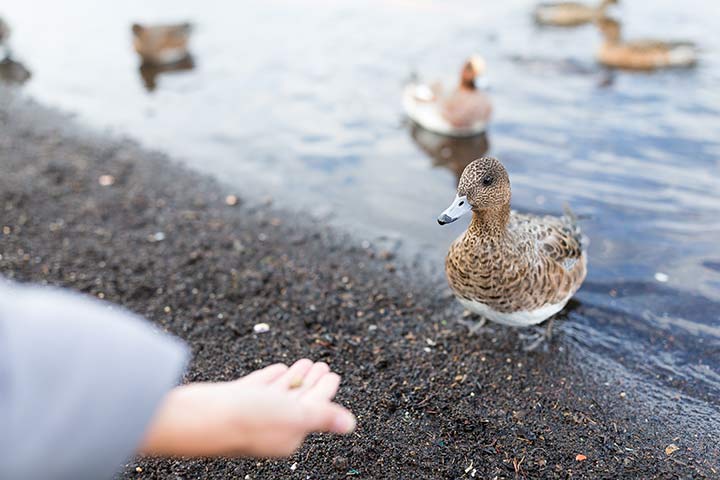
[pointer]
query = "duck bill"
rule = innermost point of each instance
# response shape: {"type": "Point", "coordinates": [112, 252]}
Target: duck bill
{"type": "Point", "coordinates": [459, 207]}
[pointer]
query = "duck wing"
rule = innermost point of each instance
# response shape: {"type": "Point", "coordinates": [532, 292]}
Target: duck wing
{"type": "Point", "coordinates": [466, 109]}
{"type": "Point", "coordinates": [558, 239]}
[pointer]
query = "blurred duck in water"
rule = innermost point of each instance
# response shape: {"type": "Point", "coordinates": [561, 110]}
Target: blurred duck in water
{"type": "Point", "coordinates": [641, 54]}
{"type": "Point", "coordinates": [4, 31]}
{"type": "Point", "coordinates": [11, 71]}
{"type": "Point", "coordinates": [461, 111]}
{"type": "Point", "coordinates": [570, 14]}
{"type": "Point", "coordinates": [451, 153]}
{"type": "Point", "coordinates": [161, 44]}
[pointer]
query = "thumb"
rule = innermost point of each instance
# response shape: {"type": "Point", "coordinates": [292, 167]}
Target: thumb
{"type": "Point", "coordinates": [329, 417]}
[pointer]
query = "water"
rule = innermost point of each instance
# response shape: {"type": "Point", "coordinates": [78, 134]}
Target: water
{"type": "Point", "coordinates": [301, 101]}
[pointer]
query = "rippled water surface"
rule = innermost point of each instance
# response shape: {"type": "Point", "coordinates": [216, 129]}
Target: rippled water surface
{"type": "Point", "coordinates": [301, 101]}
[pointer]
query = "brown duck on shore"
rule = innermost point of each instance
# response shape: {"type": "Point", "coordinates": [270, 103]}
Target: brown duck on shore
{"type": "Point", "coordinates": [510, 268]}
{"type": "Point", "coordinates": [161, 44]}
{"type": "Point", "coordinates": [641, 54]}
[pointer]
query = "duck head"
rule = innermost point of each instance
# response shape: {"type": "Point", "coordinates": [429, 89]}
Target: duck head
{"type": "Point", "coordinates": [484, 184]}
{"type": "Point", "coordinates": [472, 71]}
{"type": "Point", "coordinates": [161, 44]}
{"type": "Point", "coordinates": [609, 28]}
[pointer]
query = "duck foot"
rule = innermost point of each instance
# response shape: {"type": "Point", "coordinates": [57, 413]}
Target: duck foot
{"type": "Point", "coordinates": [474, 327]}
{"type": "Point", "coordinates": [542, 336]}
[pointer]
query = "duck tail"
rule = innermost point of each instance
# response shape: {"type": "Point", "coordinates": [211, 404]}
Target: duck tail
{"type": "Point", "coordinates": [571, 221]}
{"type": "Point", "coordinates": [682, 55]}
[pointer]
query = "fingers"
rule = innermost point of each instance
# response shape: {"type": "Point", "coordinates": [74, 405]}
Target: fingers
{"type": "Point", "coordinates": [325, 388]}
{"type": "Point", "coordinates": [264, 376]}
{"type": "Point", "coordinates": [294, 377]}
{"type": "Point", "coordinates": [329, 417]}
{"type": "Point", "coordinates": [315, 374]}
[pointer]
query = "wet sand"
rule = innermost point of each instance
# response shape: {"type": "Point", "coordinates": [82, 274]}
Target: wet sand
{"type": "Point", "coordinates": [431, 401]}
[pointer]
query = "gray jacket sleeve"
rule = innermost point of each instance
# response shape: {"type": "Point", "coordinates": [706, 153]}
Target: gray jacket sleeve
{"type": "Point", "coordinates": [79, 382]}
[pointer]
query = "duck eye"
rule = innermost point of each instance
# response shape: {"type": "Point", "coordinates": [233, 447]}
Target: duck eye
{"type": "Point", "coordinates": [488, 180]}
{"type": "Point", "coordinates": [462, 202]}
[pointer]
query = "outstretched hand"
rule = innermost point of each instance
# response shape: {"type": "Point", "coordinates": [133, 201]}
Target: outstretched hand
{"type": "Point", "coordinates": [267, 413]}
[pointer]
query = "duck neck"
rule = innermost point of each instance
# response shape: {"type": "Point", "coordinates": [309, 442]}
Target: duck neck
{"type": "Point", "coordinates": [467, 84]}
{"type": "Point", "coordinates": [490, 222]}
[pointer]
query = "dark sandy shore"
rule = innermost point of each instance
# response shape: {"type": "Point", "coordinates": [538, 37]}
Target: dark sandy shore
{"type": "Point", "coordinates": [431, 401]}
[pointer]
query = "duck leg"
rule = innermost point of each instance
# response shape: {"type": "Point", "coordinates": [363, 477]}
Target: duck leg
{"type": "Point", "coordinates": [540, 337]}
{"type": "Point", "coordinates": [474, 326]}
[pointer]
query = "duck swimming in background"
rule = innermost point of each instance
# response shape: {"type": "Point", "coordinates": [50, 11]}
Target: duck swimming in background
{"type": "Point", "coordinates": [4, 31]}
{"type": "Point", "coordinates": [463, 111]}
{"type": "Point", "coordinates": [510, 268]}
{"type": "Point", "coordinates": [570, 14]}
{"type": "Point", "coordinates": [641, 54]}
{"type": "Point", "coordinates": [161, 44]}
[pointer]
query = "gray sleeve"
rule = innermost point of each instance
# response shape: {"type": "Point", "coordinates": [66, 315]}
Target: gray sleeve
{"type": "Point", "coordinates": [79, 382]}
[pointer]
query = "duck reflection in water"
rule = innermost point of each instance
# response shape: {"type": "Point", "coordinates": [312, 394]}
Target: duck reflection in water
{"type": "Point", "coordinates": [149, 72]}
{"type": "Point", "coordinates": [453, 153]}
{"type": "Point", "coordinates": [11, 71]}
{"type": "Point", "coordinates": [162, 49]}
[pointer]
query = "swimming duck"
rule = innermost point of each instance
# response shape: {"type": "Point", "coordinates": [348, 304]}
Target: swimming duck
{"type": "Point", "coordinates": [510, 268]}
{"type": "Point", "coordinates": [161, 44]}
{"type": "Point", "coordinates": [4, 31]}
{"type": "Point", "coordinates": [13, 72]}
{"type": "Point", "coordinates": [641, 54]}
{"type": "Point", "coordinates": [570, 14]}
{"type": "Point", "coordinates": [462, 112]}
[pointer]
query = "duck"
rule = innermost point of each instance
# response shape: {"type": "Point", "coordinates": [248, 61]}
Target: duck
{"type": "Point", "coordinates": [461, 112]}
{"type": "Point", "coordinates": [513, 269]}
{"type": "Point", "coordinates": [4, 31]}
{"type": "Point", "coordinates": [641, 54]}
{"type": "Point", "coordinates": [161, 44]}
{"type": "Point", "coordinates": [451, 153]}
{"type": "Point", "coordinates": [4, 36]}
{"type": "Point", "coordinates": [13, 72]}
{"type": "Point", "coordinates": [570, 14]}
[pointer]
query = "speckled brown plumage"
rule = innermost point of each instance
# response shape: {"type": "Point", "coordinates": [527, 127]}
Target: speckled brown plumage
{"type": "Point", "coordinates": [641, 54]}
{"type": "Point", "coordinates": [507, 261]}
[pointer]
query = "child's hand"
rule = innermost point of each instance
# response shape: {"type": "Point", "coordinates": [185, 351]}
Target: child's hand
{"type": "Point", "coordinates": [267, 413]}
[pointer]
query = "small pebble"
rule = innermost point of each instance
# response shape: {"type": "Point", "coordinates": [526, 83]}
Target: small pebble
{"type": "Point", "coordinates": [157, 237]}
{"type": "Point", "coordinates": [670, 449]}
{"type": "Point", "coordinates": [580, 457]}
{"type": "Point", "coordinates": [261, 328]}
{"type": "Point", "coordinates": [662, 277]}
{"type": "Point", "coordinates": [293, 467]}
{"type": "Point", "coordinates": [231, 200]}
{"type": "Point", "coordinates": [106, 180]}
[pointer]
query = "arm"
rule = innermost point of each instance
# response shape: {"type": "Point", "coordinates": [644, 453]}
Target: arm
{"type": "Point", "coordinates": [79, 383]}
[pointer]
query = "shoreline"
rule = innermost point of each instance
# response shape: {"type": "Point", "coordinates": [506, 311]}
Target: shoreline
{"type": "Point", "coordinates": [431, 402]}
